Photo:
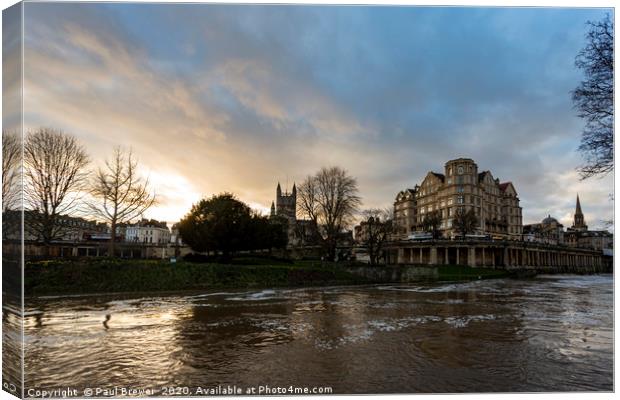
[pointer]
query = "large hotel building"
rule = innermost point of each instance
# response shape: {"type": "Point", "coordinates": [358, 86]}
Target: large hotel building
{"type": "Point", "coordinates": [460, 186]}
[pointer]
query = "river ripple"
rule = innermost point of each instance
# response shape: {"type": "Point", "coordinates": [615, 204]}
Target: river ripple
{"type": "Point", "coordinates": [551, 333]}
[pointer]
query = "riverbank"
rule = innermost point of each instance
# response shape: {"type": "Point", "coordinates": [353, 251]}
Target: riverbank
{"type": "Point", "coordinates": [115, 275]}
{"type": "Point", "coordinates": [85, 276]}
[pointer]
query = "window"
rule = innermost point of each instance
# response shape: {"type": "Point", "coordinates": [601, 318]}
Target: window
{"type": "Point", "coordinates": [460, 189]}
{"type": "Point", "coordinates": [460, 199]}
{"type": "Point", "coordinates": [459, 179]}
{"type": "Point", "coordinates": [449, 181]}
{"type": "Point", "coordinates": [460, 170]}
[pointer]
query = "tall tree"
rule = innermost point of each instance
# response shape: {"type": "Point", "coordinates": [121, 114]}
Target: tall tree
{"type": "Point", "coordinates": [594, 99]}
{"type": "Point", "coordinates": [55, 171]}
{"type": "Point", "coordinates": [11, 160]}
{"type": "Point", "coordinates": [330, 199]}
{"type": "Point", "coordinates": [465, 222]}
{"type": "Point", "coordinates": [224, 224]}
{"type": "Point", "coordinates": [267, 233]}
{"type": "Point", "coordinates": [120, 194]}
{"type": "Point", "coordinates": [432, 223]}
{"type": "Point", "coordinates": [376, 230]}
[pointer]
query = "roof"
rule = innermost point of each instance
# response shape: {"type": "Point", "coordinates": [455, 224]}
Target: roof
{"type": "Point", "coordinates": [503, 186]}
{"type": "Point", "coordinates": [482, 174]}
{"type": "Point", "coordinates": [410, 191]}
{"type": "Point", "coordinates": [550, 220]}
{"type": "Point", "coordinates": [438, 175]}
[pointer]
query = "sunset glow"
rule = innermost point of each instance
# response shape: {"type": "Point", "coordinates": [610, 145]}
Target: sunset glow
{"type": "Point", "coordinates": [215, 98]}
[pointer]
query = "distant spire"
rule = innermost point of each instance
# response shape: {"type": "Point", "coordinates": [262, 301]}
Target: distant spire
{"type": "Point", "coordinates": [273, 209]}
{"type": "Point", "coordinates": [579, 221]}
{"type": "Point", "coordinates": [294, 189]}
{"type": "Point", "coordinates": [279, 190]}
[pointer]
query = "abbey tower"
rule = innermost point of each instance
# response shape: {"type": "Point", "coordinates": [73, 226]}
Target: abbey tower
{"type": "Point", "coordinates": [285, 204]}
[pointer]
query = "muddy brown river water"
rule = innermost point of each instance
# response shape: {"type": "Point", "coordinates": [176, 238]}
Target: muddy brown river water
{"type": "Point", "coordinates": [550, 333]}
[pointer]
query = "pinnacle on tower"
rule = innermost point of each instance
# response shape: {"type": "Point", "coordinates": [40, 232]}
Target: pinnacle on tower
{"type": "Point", "coordinates": [279, 190]}
{"type": "Point", "coordinates": [578, 208]}
{"type": "Point", "coordinates": [294, 192]}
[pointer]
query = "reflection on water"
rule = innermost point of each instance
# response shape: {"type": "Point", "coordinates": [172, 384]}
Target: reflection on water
{"type": "Point", "coordinates": [11, 345]}
{"type": "Point", "coordinates": [552, 333]}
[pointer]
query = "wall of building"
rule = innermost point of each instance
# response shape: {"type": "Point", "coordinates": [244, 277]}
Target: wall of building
{"type": "Point", "coordinates": [461, 186]}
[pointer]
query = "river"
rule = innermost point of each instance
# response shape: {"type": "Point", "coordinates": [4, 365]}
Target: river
{"type": "Point", "coordinates": [549, 333]}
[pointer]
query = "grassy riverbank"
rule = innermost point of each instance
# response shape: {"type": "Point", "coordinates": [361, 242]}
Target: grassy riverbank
{"type": "Point", "coordinates": [80, 276]}
{"type": "Point", "coordinates": [113, 275]}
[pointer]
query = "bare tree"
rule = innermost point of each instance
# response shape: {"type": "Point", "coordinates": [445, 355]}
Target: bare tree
{"type": "Point", "coordinates": [120, 194]}
{"type": "Point", "coordinates": [55, 171]}
{"type": "Point", "coordinates": [307, 203]}
{"type": "Point", "coordinates": [432, 223]}
{"type": "Point", "coordinates": [594, 99]}
{"type": "Point", "coordinates": [11, 157]}
{"type": "Point", "coordinates": [376, 229]}
{"type": "Point", "coordinates": [465, 221]}
{"type": "Point", "coordinates": [330, 199]}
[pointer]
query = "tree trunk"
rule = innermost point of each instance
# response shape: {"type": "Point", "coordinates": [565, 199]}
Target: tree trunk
{"type": "Point", "coordinates": [112, 239]}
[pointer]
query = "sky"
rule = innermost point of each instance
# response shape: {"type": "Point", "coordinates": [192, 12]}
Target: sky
{"type": "Point", "coordinates": [236, 98]}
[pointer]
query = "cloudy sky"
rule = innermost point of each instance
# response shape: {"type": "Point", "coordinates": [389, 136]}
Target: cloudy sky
{"type": "Point", "coordinates": [217, 98]}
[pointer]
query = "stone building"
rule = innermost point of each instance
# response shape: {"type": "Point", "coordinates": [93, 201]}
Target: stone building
{"type": "Point", "coordinates": [285, 205]}
{"type": "Point", "coordinates": [548, 231]}
{"type": "Point", "coordinates": [460, 186]}
{"type": "Point", "coordinates": [300, 232]}
{"type": "Point", "coordinates": [579, 222]}
{"type": "Point", "coordinates": [66, 229]}
{"type": "Point", "coordinates": [597, 240]}
{"type": "Point", "coordinates": [578, 234]}
{"type": "Point", "coordinates": [148, 232]}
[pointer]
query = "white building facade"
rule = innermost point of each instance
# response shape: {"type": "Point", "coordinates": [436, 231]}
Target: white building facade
{"type": "Point", "coordinates": [148, 232]}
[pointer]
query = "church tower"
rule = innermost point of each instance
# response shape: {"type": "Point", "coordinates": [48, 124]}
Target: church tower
{"type": "Point", "coordinates": [579, 223]}
{"type": "Point", "coordinates": [286, 204]}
